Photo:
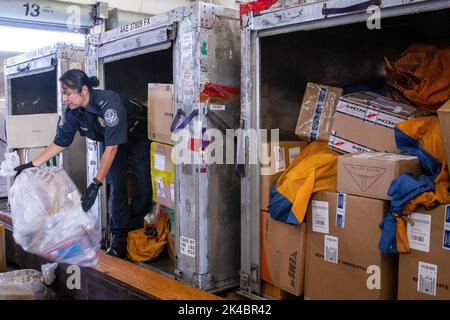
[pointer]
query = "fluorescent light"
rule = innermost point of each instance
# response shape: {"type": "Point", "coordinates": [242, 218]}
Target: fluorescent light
{"type": "Point", "coordinates": [23, 40]}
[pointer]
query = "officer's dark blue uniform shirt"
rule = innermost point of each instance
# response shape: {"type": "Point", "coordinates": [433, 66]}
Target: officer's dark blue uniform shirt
{"type": "Point", "coordinates": [104, 120]}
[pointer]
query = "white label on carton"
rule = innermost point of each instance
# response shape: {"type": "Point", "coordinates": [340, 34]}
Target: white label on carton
{"type": "Point", "coordinates": [419, 233]}
{"type": "Point", "coordinates": [331, 252]}
{"type": "Point", "coordinates": [172, 192]}
{"type": "Point", "coordinates": [280, 162]}
{"type": "Point", "coordinates": [340, 210]}
{"type": "Point", "coordinates": [341, 144]}
{"type": "Point", "coordinates": [187, 246]}
{"type": "Point", "coordinates": [293, 153]}
{"type": "Point", "coordinates": [446, 241]}
{"type": "Point", "coordinates": [427, 277]}
{"type": "Point", "coordinates": [160, 187]}
{"type": "Point", "coordinates": [320, 216]}
{"type": "Point", "coordinates": [160, 162]}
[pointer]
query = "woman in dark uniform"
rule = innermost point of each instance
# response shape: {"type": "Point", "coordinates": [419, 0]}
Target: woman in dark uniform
{"type": "Point", "coordinates": [101, 115]}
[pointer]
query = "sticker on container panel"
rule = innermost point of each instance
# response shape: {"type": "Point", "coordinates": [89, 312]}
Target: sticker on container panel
{"type": "Point", "coordinates": [330, 248]}
{"type": "Point", "coordinates": [160, 162]}
{"type": "Point", "coordinates": [340, 210]}
{"type": "Point", "coordinates": [187, 246]}
{"type": "Point", "coordinates": [217, 107]}
{"type": "Point", "coordinates": [280, 162]}
{"type": "Point", "coordinates": [160, 187]}
{"type": "Point", "coordinates": [172, 192]}
{"type": "Point", "coordinates": [293, 153]}
{"type": "Point", "coordinates": [186, 45]}
{"type": "Point", "coordinates": [320, 216]}
{"type": "Point", "coordinates": [427, 278]}
{"type": "Point", "coordinates": [419, 233]}
{"type": "Point", "coordinates": [446, 241]}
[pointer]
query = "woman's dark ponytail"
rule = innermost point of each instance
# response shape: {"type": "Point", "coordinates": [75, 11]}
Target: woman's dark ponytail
{"type": "Point", "coordinates": [75, 79]}
{"type": "Point", "coordinates": [94, 82]}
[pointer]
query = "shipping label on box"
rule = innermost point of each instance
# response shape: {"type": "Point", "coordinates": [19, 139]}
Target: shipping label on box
{"type": "Point", "coordinates": [419, 232]}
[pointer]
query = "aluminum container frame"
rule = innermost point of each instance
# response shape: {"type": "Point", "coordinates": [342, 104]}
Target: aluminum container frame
{"type": "Point", "coordinates": [206, 48]}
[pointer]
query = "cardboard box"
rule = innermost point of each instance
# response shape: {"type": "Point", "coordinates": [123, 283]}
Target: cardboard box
{"type": "Point", "coordinates": [317, 112]}
{"type": "Point", "coordinates": [424, 273]}
{"type": "Point", "coordinates": [365, 122]}
{"type": "Point", "coordinates": [275, 158]}
{"type": "Point", "coordinates": [444, 123]}
{"type": "Point", "coordinates": [162, 171]}
{"type": "Point", "coordinates": [160, 112]}
{"type": "Point", "coordinates": [270, 291]}
{"type": "Point", "coordinates": [283, 254]}
{"type": "Point", "coordinates": [371, 174]}
{"type": "Point", "coordinates": [344, 262]}
{"type": "Point", "coordinates": [31, 131]}
{"type": "Point", "coordinates": [2, 249]}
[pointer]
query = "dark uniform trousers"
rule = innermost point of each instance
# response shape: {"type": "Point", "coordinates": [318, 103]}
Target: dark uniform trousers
{"type": "Point", "coordinates": [135, 154]}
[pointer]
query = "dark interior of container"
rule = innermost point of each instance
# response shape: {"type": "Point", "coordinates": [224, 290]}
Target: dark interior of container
{"type": "Point", "coordinates": [34, 94]}
{"type": "Point", "coordinates": [130, 78]}
{"type": "Point", "coordinates": [349, 56]}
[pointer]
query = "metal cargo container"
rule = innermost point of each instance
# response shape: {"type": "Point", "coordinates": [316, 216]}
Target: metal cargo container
{"type": "Point", "coordinates": [332, 42]}
{"type": "Point", "coordinates": [33, 93]}
{"type": "Point", "coordinates": [192, 48]}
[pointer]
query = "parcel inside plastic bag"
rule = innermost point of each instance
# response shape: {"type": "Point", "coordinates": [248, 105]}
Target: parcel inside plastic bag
{"type": "Point", "coordinates": [48, 219]}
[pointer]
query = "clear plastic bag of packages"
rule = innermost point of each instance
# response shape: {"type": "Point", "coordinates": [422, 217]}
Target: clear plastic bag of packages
{"type": "Point", "coordinates": [48, 219]}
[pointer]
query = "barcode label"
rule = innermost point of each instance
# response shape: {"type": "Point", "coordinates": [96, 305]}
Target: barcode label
{"type": "Point", "coordinates": [446, 240]}
{"type": "Point", "coordinates": [320, 216]}
{"type": "Point", "coordinates": [427, 278]}
{"type": "Point", "coordinates": [280, 162]}
{"type": "Point", "coordinates": [340, 210]}
{"type": "Point", "coordinates": [330, 249]}
{"type": "Point", "coordinates": [419, 233]}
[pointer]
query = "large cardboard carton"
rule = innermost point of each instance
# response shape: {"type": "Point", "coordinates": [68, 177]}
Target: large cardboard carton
{"type": "Point", "coordinates": [342, 256]}
{"type": "Point", "coordinates": [444, 123]}
{"type": "Point", "coordinates": [162, 171]}
{"type": "Point", "coordinates": [2, 249]}
{"type": "Point", "coordinates": [160, 112]}
{"type": "Point", "coordinates": [283, 254]}
{"type": "Point", "coordinates": [365, 122]}
{"type": "Point", "coordinates": [31, 131]}
{"type": "Point", "coordinates": [424, 273]}
{"type": "Point", "coordinates": [371, 174]}
{"type": "Point", "coordinates": [275, 159]}
{"type": "Point", "coordinates": [317, 112]}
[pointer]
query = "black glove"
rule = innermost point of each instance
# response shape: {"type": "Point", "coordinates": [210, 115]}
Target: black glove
{"type": "Point", "coordinates": [22, 167]}
{"type": "Point", "coordinates": [89, 196]}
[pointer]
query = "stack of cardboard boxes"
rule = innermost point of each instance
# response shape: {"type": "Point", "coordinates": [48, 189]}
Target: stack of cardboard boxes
{"type": "Point", "coordinates": [160, 115]}
{"type": "Point", "coordinates": [338, 243]}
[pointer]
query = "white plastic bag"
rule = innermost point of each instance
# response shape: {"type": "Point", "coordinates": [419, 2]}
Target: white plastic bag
{"type": "Point", "coordinates": [7, 167]}
{"type": "Point", "coordinates": [48, 219]}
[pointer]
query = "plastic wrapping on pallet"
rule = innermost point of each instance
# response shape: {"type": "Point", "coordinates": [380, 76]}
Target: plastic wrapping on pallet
{"type": "Point", "coordinates": [48, 219]}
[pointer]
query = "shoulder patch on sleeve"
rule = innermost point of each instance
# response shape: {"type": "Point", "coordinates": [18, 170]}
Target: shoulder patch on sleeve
{"type": "Point", "coordinates": [111, 117]}
{"type": "Point", "coordinates": [62, 121]}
